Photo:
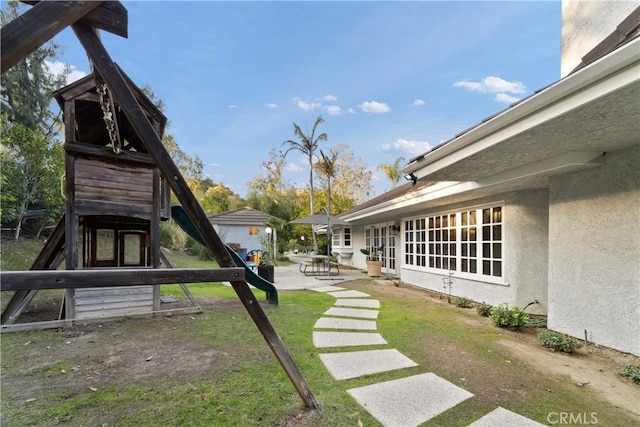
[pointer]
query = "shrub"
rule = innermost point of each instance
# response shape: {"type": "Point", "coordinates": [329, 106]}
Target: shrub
{"type": "Point", "coordinates": [559, 342]}
{"type": "Point", "coordinates": [172, 237]}
{"type": "Point", "coordinates": [484, 309]}
{"type": "Point", "coordinates": [632, 371]}
{"type": "Point", "coordinates": [462, 302]}
{"type": "Point", "coordinates": [512, 318]}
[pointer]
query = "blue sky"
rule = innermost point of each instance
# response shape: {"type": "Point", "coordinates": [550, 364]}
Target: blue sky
{"type": "Point", "coordinates": [390, 79]}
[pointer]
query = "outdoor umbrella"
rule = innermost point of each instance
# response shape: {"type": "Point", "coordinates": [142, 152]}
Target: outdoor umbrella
{"type": "Point", "coordinates": [321, 219]}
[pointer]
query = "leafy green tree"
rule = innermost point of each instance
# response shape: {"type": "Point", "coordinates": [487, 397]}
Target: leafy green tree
{"type": "Point", "coordinates": [32, 164]}
{"type": "Point", "coordinates": [351, 181]}
{"type": "Point", "coordinates": [219, 198]}
{"type": "Point", "coordinates": [307, 145]}
{"type": "Point", "coordinates": [392, 171]}
{"type": "Point", "coordinates": [27, 87]}
{"type": "Point", "coordinates": [328, 168]}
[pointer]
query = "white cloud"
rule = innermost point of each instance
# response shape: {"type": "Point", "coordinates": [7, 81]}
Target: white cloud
{"type": "Point", "coordinates": [57, 68]}
{"type": "Point", "coordinates": [304, 105]}
{"type": "Point", "coordinates": [213, 165]}
{"type": "Point", "coordinates": [272, 105]}
{"type": "Point", "coordinates": [374, 107]}
{"type": "Point", "coordinates": [408, 146]}
{"type": "Point", "coordinates": [292, 167]}
{"type": "Point", "coordinates": [417, 103]}
{"type": "Point", "coordinates": [333, 110]}
{"type": "Point", "coordinates": [233, 107]}
{"type": "Point", "coordinates": [351, 111]}
{"type": "Point", "coordinates": [492, 84]}
{"type": "Point", "coordinates": [507, 99]}
{"type": "Point", "coordinates": [331, 98]}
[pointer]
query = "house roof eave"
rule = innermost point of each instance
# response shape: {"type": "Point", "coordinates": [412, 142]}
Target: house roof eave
{"type": "Point", "coordinates": [618, 69]}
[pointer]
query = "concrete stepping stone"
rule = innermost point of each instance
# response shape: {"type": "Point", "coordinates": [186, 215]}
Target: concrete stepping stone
{"type": "Point", "coordinates": [349, 294]}
{"type": "Point", "coordinates": [354, 302]}
{"type": "Point", "coordinates": [352, 312]}
{"type": "Point", "coordinates": [337, 323]}
{"type": "Point", "coordinates": [410, 401]}
{"type": "Point", "coordinates": [353, 364]}
{"type": "Point", "coordinates": [501, 417]}
{"type": "Point", "coordinates": [346, 339]}
{"type": "Point", "coordinates": [328, 289]}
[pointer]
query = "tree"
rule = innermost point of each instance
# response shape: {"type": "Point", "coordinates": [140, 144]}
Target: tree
{"type": "Point", "coordinates": [351, 182]}
{"type": "Point", "coordinates": [32, 164]}
{"type": "Point", "coordinates": [190, 166]}
{"type": "Point", "coordinates": [307, 144]}
{"type": "Point", "coordinates": [219, 198]}
{"type": "Point", "coordinates": [327, 167]}
{"type": "Point", "coordinates": [27, 87]}
{"type": "Point", "coordinates": [392, 171]}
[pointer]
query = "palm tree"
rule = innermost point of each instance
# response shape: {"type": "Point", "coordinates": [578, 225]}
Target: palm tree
{"type": "Point", "coordinates": [392, 171]}
{"type": "Point", "coordinates": [308, 146]}
{"type": "Point", "coordinates": [327, 166]}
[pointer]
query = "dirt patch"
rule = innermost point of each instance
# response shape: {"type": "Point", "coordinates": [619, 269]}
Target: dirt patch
{"type": "Point", "coordinates": [596, 368]}
{"type": "Point", "coordinates": [146, 352]}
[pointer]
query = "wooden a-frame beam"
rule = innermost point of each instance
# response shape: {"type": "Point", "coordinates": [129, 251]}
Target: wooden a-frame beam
{"type": "Point", "coordinates": [48, 258]}
{"type": "Point", "coordinates": [105, 66]}
{"type": "Point", "coordinates": [85, 278]}
{"type": "Point", "coordinates": [36, 26]}
{"type": "Point", "coordinates": [110, 16]}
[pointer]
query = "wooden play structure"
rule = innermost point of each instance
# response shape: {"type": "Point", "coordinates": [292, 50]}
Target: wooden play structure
{"type": "Point", "coordinates": [117, 186]}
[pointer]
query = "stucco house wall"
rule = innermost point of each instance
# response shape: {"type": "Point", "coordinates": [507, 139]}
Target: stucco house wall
{"type": "Point", "coordinates": [594, 252]}
{"type": "Point", "coordinates": [585, 24]}
{"type": "Point", "coordinates": [525, 222]}
{"type": "Point", "coordinates": [240, 234]}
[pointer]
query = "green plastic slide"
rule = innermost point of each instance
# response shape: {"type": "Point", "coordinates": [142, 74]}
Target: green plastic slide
{"type": "Point", "coordinates": [180, 216]}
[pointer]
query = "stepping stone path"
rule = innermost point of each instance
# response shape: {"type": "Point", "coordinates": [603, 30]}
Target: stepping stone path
{"type": "Point", "coordinates": [404, 402]}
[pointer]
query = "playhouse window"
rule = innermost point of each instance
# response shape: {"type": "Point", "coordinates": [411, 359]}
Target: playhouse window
{"type": "Point", "coordinates": [253, 230]}
{"type": "Point", "coordinates": [133, 251]}
{"type": "Point", "coordinates": [105, 244]}
{"type": "Point", "coordinates": [467, 242]}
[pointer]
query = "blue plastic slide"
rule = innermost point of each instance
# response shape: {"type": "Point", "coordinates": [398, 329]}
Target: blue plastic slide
{"type": "Point", "coordinates": [180, 216]}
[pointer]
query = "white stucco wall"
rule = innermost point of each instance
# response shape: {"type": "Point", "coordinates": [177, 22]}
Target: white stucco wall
{"type": "Point", "coordinates": [525, 242]}
{"type": "Point", "coordinates": [585, 24]}
{"type": "Point", "coordinates": [240, 234]}
{"type": "Point", "coordinates": [594, 252]}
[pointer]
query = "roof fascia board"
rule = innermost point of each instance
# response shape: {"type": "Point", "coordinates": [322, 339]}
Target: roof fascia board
{"type": "Point", "coordinates": [612, 72]}
{"type": "Point", "coordinates": [433, 192]}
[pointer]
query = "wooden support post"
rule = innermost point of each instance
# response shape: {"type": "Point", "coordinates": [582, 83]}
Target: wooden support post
{"type": "Point", "coordinates": [38, 25]}
{"type": "Point", "coordinates": [143, 128]}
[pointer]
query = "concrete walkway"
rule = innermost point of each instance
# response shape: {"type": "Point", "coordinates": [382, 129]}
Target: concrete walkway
{"type": "Point", "coordinates": [405, 402]}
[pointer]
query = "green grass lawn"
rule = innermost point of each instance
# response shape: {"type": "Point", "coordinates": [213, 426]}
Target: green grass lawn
{"type": "Point", "coordinates": [215, 369]}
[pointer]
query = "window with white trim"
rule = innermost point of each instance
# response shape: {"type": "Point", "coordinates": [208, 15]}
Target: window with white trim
{"type": "Point", "coordinates": [468, 242]}
{"type": "Point", "coordinates": [342, 238]}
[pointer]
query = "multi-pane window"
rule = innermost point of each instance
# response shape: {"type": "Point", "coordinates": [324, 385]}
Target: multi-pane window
{"type": "Point", "coordinates": [421, 242]}
{"type": "Point", "coordinates": [253, 230]}
{"type": "Point", "coordinates": [442, 242]}
{"type": "Point", "coordinates": [342, 238]}
{"type": "Point", "coordinates": [492, 241]}
{"type": "Point", "coordinates": [409, 247]}
{"type": "Point", "coordinates": [468, 242]}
